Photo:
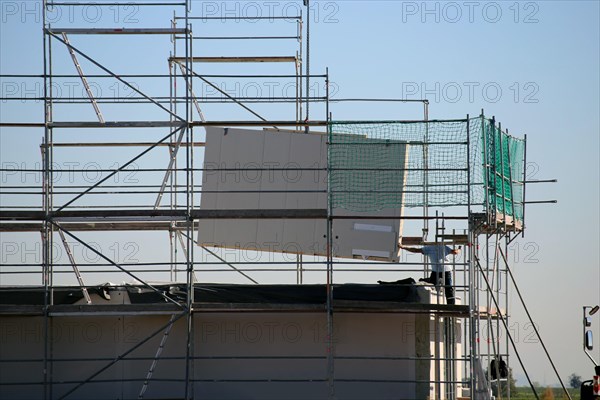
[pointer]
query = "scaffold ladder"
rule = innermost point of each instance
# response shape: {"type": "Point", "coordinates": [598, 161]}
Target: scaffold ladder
{"type": "Point", "coordinates": [83, 79]}
{"type": "Point", "coordinates": [159, 351]}
{"type": "Point", "coordinates": [75, 269]}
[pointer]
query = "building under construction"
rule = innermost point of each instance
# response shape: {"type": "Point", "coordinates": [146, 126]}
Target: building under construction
{"type": "Point", "coordinates": [274, 227]}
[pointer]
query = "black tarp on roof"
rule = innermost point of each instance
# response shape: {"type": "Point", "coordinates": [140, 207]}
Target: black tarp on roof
{"type": "Point", "coordinates": [225, 293]}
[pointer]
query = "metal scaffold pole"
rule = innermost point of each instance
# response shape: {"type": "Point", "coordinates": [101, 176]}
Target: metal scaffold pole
{"type": "Point", "coordinates": [330, 321]}
{"type": "Point", "coordinates": [307, 4]}
{"type": "Point", "coordinates": [473, 316]}
{"type": "Point", "coordinates": [47, 206]}
{"type": "Point", "coordinates": [187, 77]}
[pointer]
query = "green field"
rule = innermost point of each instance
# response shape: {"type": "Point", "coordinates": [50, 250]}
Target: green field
{"type": "Point", "coordinates": [525, 393]}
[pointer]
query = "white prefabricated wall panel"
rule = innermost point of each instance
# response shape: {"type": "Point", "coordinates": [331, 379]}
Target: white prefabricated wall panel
{"type": "Point", "coordinates": [251, 169]}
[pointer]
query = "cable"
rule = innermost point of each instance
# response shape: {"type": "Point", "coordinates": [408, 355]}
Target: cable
{"type": "Point", "coordinates": [534, 327]}
{"type": "Point", "coordinates": [506, 328]}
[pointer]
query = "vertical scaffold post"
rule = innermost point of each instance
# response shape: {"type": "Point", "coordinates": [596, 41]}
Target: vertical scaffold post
{"type": "Point", "coordinates": [190, 189]}
{"type": "Point", "coordinates": [524, 184]}
{"type": "Point", "coordinates": [330, 341]}
{"type": "Point", "coordinates": [494, 168]}
{"type": "Point", "coordinates": [506, 315]}
{"type": "Point", "coordinates": [299, 27]}
{"type": "Point", "coordinates": [299, 269]}
{"type": "Point", "coordinates": [488, 300]}
{"type": "Point", "coordinates": [45, 262]}
{"type": "Point", "coordinates": [486, 167]}
{"type": "Point", "coordinates": [187, 77]}
{"type": "Point", "coordinates": [47, 204]}
{"type": "Point", "coordinates": [307, 4]}
{"type": "Point", "coordinates": [173, 177]}
{"type": "Point", "coordinates": [426, 178]}
{"type": "Point", "coordinates": [468, 166]}
{"type": "Point", "coordinates": [437, 319]}
{"type": "Point", "coordinates": [511, 183]}
{"type": "Point", "coordinates": [473, 325]}
{"type": "Point", "coordinates": [498, 276]}
{"type": "Point", "coordinates": [469, 242]}
{"type": "Point", "coordinates": [502, 177]}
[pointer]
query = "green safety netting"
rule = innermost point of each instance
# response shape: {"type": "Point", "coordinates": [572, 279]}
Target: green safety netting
{"type": "Point", "coordinates": [441, 163]}
{"type": "Point", "coordinates": [504, 171]}
{"type": "Point", "coordinates": [367, 172]}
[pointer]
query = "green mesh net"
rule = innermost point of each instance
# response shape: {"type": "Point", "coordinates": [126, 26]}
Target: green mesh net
{"type": "Point", "coordinates": [368, 172]}
{"type": "Point", "coordinates": [504, 171]}
{"type": "Point", "coordinates": [376, 165]}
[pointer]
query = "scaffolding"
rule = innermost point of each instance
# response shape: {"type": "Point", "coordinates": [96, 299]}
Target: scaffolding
{"type": "Point", "coordinates": [481, 208]}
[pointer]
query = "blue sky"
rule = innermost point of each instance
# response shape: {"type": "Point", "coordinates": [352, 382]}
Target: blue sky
{"type": "Point", "coordinates": [534, 65]}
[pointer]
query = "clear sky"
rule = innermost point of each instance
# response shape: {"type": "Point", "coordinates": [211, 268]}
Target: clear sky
{"type": "Point", "coordinates": [535, 65]}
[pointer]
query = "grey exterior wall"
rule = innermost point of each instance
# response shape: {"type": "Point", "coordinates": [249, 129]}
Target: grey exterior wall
{"type": "Point", "coordinates": [239, 355]}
